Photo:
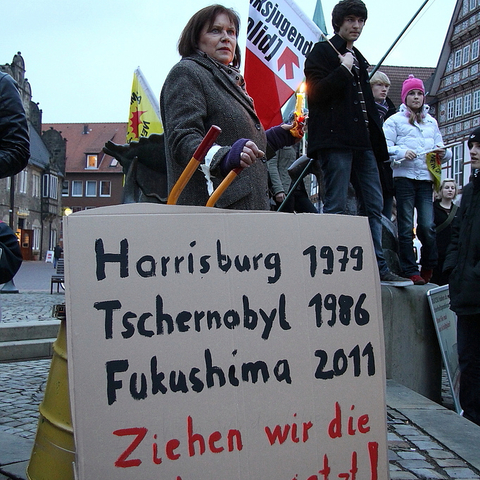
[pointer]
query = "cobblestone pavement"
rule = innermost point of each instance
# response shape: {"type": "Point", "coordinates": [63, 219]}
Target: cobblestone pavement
{"type": "Point", "coordinates": [39, 306]}
{"type": "Point", "coordinates": [22, 385]}
{"type": "Point", "coordinates": [413, 454]}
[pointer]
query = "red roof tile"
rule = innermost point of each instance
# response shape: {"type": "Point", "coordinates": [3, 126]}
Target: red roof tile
{"type": "Point", "coordinates": [83, 139]}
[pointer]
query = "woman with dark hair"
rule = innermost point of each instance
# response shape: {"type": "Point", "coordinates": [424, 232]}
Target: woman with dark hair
{"type": "Point", "coordinates": [206, 88]}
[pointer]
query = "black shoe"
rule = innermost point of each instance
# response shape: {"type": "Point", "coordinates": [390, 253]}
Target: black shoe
{"type": "Point", "coordinates": [393, 280]}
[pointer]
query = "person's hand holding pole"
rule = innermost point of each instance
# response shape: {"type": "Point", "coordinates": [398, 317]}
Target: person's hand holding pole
{"type": "Point", "coordinates": [192, 165]}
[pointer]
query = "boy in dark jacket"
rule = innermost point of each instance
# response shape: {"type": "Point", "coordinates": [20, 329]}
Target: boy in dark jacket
{"type": "Point", "coordinates": [345, 128]}
{"type": "Point", "coordinates": [463, 261]}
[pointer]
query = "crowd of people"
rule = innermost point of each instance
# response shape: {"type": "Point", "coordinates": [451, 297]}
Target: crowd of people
{"type": "Point", "coordinates": [391, 156]}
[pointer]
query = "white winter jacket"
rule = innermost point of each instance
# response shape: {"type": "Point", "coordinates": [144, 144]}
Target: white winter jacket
{"type": "Point", "coordinates": [422, 138]}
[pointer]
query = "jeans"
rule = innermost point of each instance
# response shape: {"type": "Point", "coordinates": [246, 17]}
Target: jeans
{"type": "Point", "coordinates": [468, 344]}
{"type": "Point", "coordinates": [342, 166]}
{"type": "Point", "coordinates": [388, 206]}
{"type": "Point", "coordinates": [411, 195]}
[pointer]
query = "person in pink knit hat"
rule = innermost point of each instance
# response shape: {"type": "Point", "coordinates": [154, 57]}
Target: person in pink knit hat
{"type": "Point", "coordinates": [411, 135]}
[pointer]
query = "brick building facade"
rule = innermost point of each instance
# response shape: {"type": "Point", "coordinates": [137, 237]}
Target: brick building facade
{"type": "Point", "coordinates": [92, 178]}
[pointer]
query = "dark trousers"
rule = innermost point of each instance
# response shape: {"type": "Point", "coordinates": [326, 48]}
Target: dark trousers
{"type": "Point", "coordinates": [411, 195]}
{"type": "Point", "coordinates": [468, 344]}
{"type": "Point", "coordinates": [339, 167]}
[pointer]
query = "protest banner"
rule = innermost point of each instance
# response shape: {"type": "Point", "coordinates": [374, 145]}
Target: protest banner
{"type": "Point", "coordinates": [445, 322]}
{"type": "Point", "coordinates": [213, 344]}
{"type": "Point", "coordinates": [144, 111]}
{"type": "Point", "coordinates": [279, 38]}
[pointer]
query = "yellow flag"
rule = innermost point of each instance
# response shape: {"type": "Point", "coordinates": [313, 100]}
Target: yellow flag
{"type": "Point", "coordinates": [144, 117]}
{"type": "Point", "coordinates": [435, 168]}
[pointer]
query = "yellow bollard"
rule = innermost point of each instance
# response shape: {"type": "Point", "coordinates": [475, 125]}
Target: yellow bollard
{"type": "Point", "coordinates": [53, 453]}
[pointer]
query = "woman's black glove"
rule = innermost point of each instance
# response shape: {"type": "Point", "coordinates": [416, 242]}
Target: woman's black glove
{"type": "Point", "coordinates": [278, 137]}
{"type": "Point", "coordinates": [232, 159]}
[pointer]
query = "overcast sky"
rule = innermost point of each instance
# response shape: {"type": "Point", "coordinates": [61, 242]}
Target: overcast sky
{"type": "Point", "coordinates": [80, 55]}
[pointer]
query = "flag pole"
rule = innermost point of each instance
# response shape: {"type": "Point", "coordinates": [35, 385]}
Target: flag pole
{"type": "Point", "coordinates": [377, 66]}
{"type": "Point", "coordinates": [330, 43]}
{"type": "Point", "coordinates": [294, 185]}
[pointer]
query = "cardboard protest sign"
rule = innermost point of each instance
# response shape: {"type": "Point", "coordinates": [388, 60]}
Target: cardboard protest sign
{"type": "Point", "coordinates": [211, 344]}
{"type": "Point", "coordinates": [445, 322]}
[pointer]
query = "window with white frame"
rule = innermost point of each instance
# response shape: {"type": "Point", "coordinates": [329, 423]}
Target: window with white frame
{"type": "Point", "coordinates": [467, 103]}
{"type": "Point", "coordinates": [92, 160]}
{"type": "Point", "coordinates": [458, 107]}
{"type": "Point", "coordinates": [476, 100]}
{"type": "Point", "coordinates": [450, 106]}
{"type": "Point", "coordinates": [466, 54]}
{"type": "Point", "coordinates": [65, 190]}
{"type": "Point", "coordinates": [53, 186]}
{"type": "Point", "coordinates": [53, 239]}
{"type": "Point", "coordinates": [35, 185]}
{"type": "Point", "coordinates": [45, 185]}
{"type": "Point", "coordinates": [22, 181]}
{"type": "Point", "coordinates": [77, 188]}
{"type": "Point", "coordinates": [475, 47]}
{"type": "Point", "coordinates": [458, 58]}
{"type": "Point", "coordinates": [473, 4]}
{"type": "Point", "coordinates": [90, 188]}
{"type": "Point", "coordinates": [105, 188]}
{"type": "Point", "coordinates": [36, 238]}
{"type": "Point", "coordinates": [457, 164]}
{"type": "Point", "coordinates": [50, 186]}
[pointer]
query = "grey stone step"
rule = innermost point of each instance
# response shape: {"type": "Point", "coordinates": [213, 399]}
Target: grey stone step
{"type": "Point", "coordinates": [11, 332]}
{"type": "Point", "coordinates": [26, 349]}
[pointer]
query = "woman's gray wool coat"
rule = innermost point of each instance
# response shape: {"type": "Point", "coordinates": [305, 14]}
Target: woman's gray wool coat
{"type": "Point", "coordinates": [195, 96]}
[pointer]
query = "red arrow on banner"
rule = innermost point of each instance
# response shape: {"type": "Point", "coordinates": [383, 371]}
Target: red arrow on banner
{"type": "Point", "coordinates": [288, 59]}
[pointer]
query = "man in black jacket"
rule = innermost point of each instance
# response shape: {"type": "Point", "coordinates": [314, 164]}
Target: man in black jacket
{"type": "Point", "coordinates": [344, 126]}
{"type": "Point", "coordinates": [463, 261]}
{"type": "Point", "coordinates": [14, 155]}
{"type": "Point", "coordinates": [14, 139]}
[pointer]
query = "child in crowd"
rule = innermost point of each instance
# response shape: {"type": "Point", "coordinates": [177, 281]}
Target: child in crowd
{"type": "Point", "coordinates": [380, 84]}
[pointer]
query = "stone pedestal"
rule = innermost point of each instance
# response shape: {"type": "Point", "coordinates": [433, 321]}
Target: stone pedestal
{"type": "Point", "coordinates": [413, 356]}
